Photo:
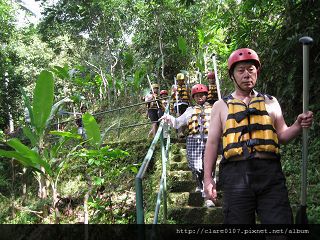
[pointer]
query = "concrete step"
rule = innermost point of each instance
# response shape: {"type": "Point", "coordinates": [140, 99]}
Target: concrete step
{"type": "Point", "coordinates": [196, 215]}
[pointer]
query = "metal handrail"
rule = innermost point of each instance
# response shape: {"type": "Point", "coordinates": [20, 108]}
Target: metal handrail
{"type": "Point", "coordinates": [112, 110]}
{"type": "Point", "coordinates": [119, 127]}
{"type": "Point", "coordinates": [142, 171]}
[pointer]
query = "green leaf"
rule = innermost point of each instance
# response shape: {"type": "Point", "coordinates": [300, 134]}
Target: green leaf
{"type": "Point", "coordinates": [28, 105]}
{"type": "Point", "coordinates": [65, 134]}
{"type": "Point", "coordinates": [182, 45]}
{"type": "Point", "coordinates": [42, 100]}
{"type": "Point", "coordinates": [92, 129]}
{"type": "Point", "coordinates": [28, 153]}
{"type": "Point", "coordinates": [134, 169]}
{"type": "Point", "coordinates": [61, 72]}
{"type": "Point", "coordinates": [30, 135]}
{"type": "Point", "coordinates": [128, 60]}
{"type": "Point", "coordinates": [90, 161]}
{"type": "Point", "coordinates": [15, 155]}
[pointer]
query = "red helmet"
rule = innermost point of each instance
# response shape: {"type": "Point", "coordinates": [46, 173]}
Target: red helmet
{"type": "Point", "coordinates": [243, 54]}
{"type": "Point", "coordinates": [199, 88]}
{"type": "Point", "coordinates": [162, 92]}
{"type": "Point", "coordinates": [210, 75]}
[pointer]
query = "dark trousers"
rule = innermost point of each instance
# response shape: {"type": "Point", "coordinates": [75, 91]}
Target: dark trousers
{"type": "Point", "coordinates": [253, 187]}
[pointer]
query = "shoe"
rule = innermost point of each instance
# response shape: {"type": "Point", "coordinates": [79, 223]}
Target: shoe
{"type": "Point", "coordinates": [198, 189]}
{"type": "Point", "coordinates": [209, 204]}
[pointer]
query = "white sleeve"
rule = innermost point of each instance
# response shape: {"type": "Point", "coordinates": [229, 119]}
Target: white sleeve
{"type": "Point", "coordinates": [183, 119]}
{"type": "Point", "coordinates": [148, 98]}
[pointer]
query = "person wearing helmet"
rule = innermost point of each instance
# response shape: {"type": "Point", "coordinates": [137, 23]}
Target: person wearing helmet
{"type": "Point", "coordinates": [164, 99]}
{"type": "Point", "coordinates": [180, 95]}
{"type": "Point", "coordinates": [180, 99]}
{"type": "Point", "coordinates": [197, 119]}
{"type": "Point", "coordinates": [251, 126]}
{"type": "Point", "coordinates": [154, 108]}
{"type": "Point", "coordinates": [213, 93]}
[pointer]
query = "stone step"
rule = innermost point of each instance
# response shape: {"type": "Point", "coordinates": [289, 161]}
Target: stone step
{"type": "Point", "coordinates": [180, 175]}
{"type": "Point", "coordinates": [183, 151]}
{"type": "Point", "coordinates": [175, 148]}
{"type": "Point", "coordinates": [182, 186]}
{"type": "Point", "coordinates": [177, 158]}
{"type": "Point", "coordinates": [196, 215]}
{"type": "Point", "coordinates": [180, 199]}
{"type": "Point", "coordinates": [179, 166]}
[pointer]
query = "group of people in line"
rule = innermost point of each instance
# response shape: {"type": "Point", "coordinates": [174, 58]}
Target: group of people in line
{"type": "Point", "coordinates": [246, 128]}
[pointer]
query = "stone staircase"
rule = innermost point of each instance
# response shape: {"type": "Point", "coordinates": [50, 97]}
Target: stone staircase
{"type": "Point", "coordinates": [185, 206]}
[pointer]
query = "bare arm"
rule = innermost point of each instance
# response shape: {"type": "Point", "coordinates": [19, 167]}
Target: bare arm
{"type": "Point", "coordinates": [211, 151]}
{"type": "Point", "coordinates": [285, 133]}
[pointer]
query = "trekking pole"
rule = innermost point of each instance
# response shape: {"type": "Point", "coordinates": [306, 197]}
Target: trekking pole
{"type": "Point", "coordinates": [199, 75]}
{"type": "Point", "coordinates": [301, 217]}
{"type": "Point", "coordinates": [152, 90]}
{"type": "Point", "coordinates": [213, 56]}
{"type": "Point", "coordinates": [177, 102]}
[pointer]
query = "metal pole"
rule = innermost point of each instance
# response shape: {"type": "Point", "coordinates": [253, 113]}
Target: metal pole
{"type": "Point", "coordinates": [177, 101]}
{"type": "Point", "coordinates": [164, 167]}
{"type": "Point", "coordinates": [306, 41]}
{"type": "Point", "coordinates": [216, 75]}
{"type": "Point", "coordinates": [139, 201]}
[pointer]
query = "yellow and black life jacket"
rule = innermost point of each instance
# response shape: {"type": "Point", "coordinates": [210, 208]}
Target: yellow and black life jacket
{"type": "Point", "coordinates": [182, 92]}
{"type": "Point", "coordinates": [154, 105]}
{"type": "Point", "coordinates": [249, 130]}
{"type": "Point", "coordinates": [202, 114]}
{"type": "Point", "coordinates": [163, 104]}
{"type": "Point", "coordinates": [212, 93]}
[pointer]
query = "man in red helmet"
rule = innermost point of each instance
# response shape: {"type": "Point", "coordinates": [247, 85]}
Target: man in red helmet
{"type": "Point", "coordinates": [251, 126]}
{"type": "Point", "coordinates": [197, 119]}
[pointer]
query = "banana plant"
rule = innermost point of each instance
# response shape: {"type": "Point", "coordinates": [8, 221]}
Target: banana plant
{"type": "Point", "coordinates": [41, 113]}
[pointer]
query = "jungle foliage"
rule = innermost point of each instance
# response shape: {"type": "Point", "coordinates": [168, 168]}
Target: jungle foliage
{"type": "Point", "coordinates": [98, 53]}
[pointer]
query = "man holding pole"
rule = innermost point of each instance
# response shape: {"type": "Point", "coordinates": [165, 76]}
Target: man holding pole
{"type": "Point", "coordinates": [153, 107]}
{"type": "Point", "coordinates": [251, 126]}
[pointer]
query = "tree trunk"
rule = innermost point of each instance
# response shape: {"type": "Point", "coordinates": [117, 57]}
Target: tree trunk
{"type": "Point", "coordinates": [85, 200]}
{"type": "Point", "coordinates": [24, 185]}
{"type": "Point", "coordinates": [161, 46]}
{"type": "Point", "coordinates": [112, 67]}
{"type": "Point", "coordinates": [54, 203]}
{"type": "Point", "coordinates": [13, 212]}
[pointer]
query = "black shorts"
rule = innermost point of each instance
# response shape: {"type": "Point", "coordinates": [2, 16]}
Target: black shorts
{"type": "Point", "coordinates": [153, 115]}
{"type": "Point", "coordinates": [255, 186]}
